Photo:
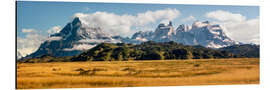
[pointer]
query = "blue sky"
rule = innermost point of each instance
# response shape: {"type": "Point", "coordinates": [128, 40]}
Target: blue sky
{"type": "Point", "coordinates": [44, 15]}
{"type": "Point", "coordinates": [36, 20]}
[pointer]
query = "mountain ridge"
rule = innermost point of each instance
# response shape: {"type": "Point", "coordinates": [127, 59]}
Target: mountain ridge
{"type": "Point", "coordinates": [77, 37]}
{"type": "Point", "coordinates": [200, 33]}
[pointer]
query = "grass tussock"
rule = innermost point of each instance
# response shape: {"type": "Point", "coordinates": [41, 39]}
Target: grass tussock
{"type": "Point", "coordinates": [138, 73]}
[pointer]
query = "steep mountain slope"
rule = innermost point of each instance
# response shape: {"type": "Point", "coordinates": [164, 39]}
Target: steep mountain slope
{"type": "Point", "coordinates": [209, 35]}
{"type": "Point", "coordinates": [200, 33]}
{"type": "Point", "coordinates": [183, 36]}
{"type": "Point", "coordinates": [77, 37]}
{"type": "Point", "coordinates": [163, 33]}
{"type": "Point", "coordinates": [73, 39]}
{"type": "Point", "coordinates": [142, 36]}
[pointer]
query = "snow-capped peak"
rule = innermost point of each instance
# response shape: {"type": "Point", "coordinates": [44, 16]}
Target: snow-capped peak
{"type": "Point", "coordinates": [198, 24]}
{"type": "Point", "coordinates": [163, 32]}
{"type": "Point", "coordinates": [78, 36]}
{"type": "Point", "coordinates": [201, 33]}
{"type": "Point", "coordinates": [73, 39]}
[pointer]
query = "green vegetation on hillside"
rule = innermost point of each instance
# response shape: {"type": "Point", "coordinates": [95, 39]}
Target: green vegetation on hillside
{"type": "Point", "coordinates": [245, 50]}
{"type": "Point", "coordinates": [153, 51]}
{"type": "Point", "coordinates": [149, 51]}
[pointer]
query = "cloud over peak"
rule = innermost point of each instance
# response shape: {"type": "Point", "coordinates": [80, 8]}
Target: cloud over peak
{"type": "Point", "coordinates": [121, 24]}
{"type": "Point", "coordinates": [54, 29]}
{"type": "Point", "coordinates": [238, 26]}
{"type": "Point", "coordinates": [189, 18]}
{"type": "Point", "coordinates": [29, 43]}
{"type": "Point", "coordinates": [33, 38]}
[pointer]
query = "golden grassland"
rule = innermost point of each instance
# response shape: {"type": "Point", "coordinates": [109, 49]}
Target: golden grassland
{"type": "Point", "coordinates": [138, 73]}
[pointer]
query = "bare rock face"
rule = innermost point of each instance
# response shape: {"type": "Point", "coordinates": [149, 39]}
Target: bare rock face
{"type": "Point", "coordinates": [77, 37]}
{"type": "Point", "coordinates": [205, 34]}
{"type": "Point", "coordinates": [73, 39]}
{"type": "Point", "coordinates": [163, 33]}
{"type": "Point", "coordinates": [200, 33]}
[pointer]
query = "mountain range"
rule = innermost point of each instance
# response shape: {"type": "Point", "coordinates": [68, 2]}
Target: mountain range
{"type": "Point", "coordinates": [77, 37]}
{"type": "Point", "coordinates": [200, 33]}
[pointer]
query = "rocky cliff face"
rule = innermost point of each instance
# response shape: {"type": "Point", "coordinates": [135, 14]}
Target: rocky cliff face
{"type": "Point", "coordinates": [73, 39]}
{"type": "Point", "coordinates": [200, 33]}
{"type": "Point", "coordinates": [77, 37]}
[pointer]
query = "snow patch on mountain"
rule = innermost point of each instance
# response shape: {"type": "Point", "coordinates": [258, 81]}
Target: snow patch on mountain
{"type": "Point", "coordinates": [73, 39]}
{"type": "Point", "coordinates": [200, 33]}
{"type": "Point", "coordinates": [77, 36]}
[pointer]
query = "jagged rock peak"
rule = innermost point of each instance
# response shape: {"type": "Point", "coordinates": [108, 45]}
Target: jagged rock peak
{"type": "Point", "coordinates": [170, 23]}
{"type": "Point", "coordinates": [199, 24]}
{"type": "Point", "coordinates": [76, 20]}
{"type": "Point", "coordinates": [182, 28]}
{"type": "Point", "coordinates": [141, 34]}
{"type": "Point", "coordinates": [165, 25]}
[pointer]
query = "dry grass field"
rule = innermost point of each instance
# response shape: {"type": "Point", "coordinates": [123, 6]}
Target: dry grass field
{"type": "Point", "coordinates": [138, 73]}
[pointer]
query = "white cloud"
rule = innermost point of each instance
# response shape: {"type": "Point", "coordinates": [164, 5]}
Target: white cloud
{"type": "Point", "coordinates": [54, 38]}
{"type": "Point", "coordinates": [33, 39]}
{"type": "Point", "coordinates": [112, 23]}
{"type": "Point", "coordinates": [121, 24]}
{"type": "Point", "coordinates": [54, 29]}
{"type": "Point", "coordinates": [189, 18]}
{"type": "Point", "coordinates": [28, 31]}
{"type": "Point", "coordinates": [80, 47]}
{"type": "Point", "coordinates": [237, 26]}
{"type": "Point", "coordinates": [30, 43]}
{"type": "Point", "coordinates": [225, 16]}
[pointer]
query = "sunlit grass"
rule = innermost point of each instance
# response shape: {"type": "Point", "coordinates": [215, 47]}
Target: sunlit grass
{"type": "Point", "coordinates": [138, 73]}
